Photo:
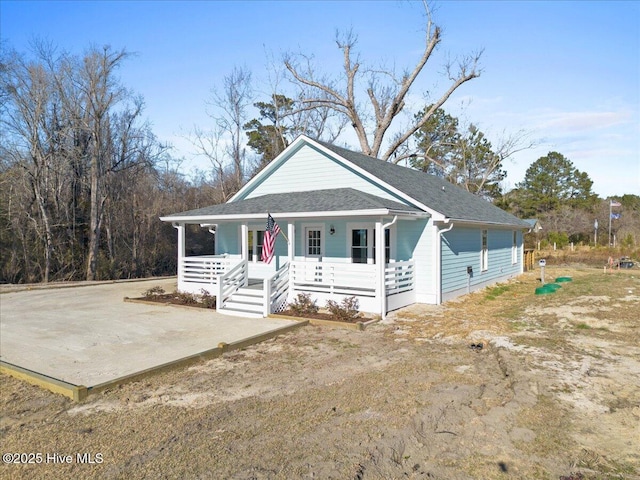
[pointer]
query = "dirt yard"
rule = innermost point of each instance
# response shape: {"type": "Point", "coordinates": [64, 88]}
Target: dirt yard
{"type": "Point", "coordinates": [554, 393]}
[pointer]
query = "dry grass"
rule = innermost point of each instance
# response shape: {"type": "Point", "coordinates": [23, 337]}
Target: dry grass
{"type": "Point", "coordinates": [493, 309]}
{"type": "Point", "coordinates": [593, 257]}
{"type": "Point", "coordinates": [554, 417]}
{"type": "Point", "coordinates": [513, 306]}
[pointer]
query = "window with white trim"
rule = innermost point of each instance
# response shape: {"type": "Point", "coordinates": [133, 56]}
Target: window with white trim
{"type": "Point", "coordinates": [362, 243]}
{"type": "Point", "coordinates": [514, 248]}
{"type": "Point", "coordinates": [255, 242]}
{"type": "Point", "coordinates": [359, 245]}
{"type": "Point", "coordinates": [484, 253]}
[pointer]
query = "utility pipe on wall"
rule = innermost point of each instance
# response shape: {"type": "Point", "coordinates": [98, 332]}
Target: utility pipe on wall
{"type": "Point", "coordinates": [439, 261]}
{"type": "Point", "coordinates": [383, 291]}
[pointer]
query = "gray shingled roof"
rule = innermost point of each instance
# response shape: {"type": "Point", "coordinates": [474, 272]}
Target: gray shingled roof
{"type": "Point", "coordinates": [436, 193]}
{"type": "Point", "coordinates": [333, 200]}
{"type": "Point", "coordinates": [452, 201]}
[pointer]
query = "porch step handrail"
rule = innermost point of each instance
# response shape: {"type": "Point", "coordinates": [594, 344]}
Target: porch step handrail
{"type": "Point", "coordinates": [276, 289]}
{"type": "Point", "coordinates": [230, 282]}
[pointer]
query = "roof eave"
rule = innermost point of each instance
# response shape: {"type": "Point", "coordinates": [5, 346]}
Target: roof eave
{"type": "Point", "coordinates": [465, 221]}
{"type": "Point", "coordinates": [293, 215]}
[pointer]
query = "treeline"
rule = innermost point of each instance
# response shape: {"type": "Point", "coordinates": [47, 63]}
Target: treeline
{"type": "Point", "coordinates": [560, 196]}
{"type": "Point", "coordinates": [82, 177]}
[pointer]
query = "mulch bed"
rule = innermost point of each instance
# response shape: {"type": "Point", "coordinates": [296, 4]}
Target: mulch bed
{"type": "Point", "coordinates": [173, 299]}
{"type": "Point", "coordinates": [323, 316]}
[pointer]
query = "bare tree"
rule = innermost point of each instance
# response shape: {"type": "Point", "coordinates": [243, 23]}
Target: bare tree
{"type": "Point", "coordinates": [282, 118]}
{"type": "Point", "coordinates": [321, 122]}
{"type": "Point", "coordinates": [100, 93]}
{"type": "Point", "coordinates": [209, 144]}
{"type": "Point", "coordinates": [223, 144]}
{"type": "Point", "coordinates": [386, 92]}
{"type": "Point", "coordinates": [231, 114]}
{"type": "Point", "coordinates": [77, 175]}
{"type": "Point", "coordinates": [108, 137]}
{"type": "Point", "coordinates": [29, 114]}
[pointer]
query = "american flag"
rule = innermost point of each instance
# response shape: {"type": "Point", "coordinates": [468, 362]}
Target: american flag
{"type": "Point", "coordinates": [270, 235]}
{"type": "Point", "coordinates": [615, 204]}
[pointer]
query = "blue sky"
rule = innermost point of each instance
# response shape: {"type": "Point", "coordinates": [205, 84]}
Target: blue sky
{"type": "Point", "coordinates": [567, 72]}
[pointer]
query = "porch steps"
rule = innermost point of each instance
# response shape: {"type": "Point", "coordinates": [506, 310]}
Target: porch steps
{"type": "Point", "coordinates": [246, 302]}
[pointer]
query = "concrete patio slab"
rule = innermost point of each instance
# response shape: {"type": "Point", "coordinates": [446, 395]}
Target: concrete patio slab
{"type": "Point", "coordinates": [89, 336]}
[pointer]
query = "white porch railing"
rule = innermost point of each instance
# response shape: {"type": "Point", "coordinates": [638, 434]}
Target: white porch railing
{"type": "Point", "coordinates": [327, 280]}
{"type": "Point", "coordinates": [399, 282]}
{"type": "Point", "coordinates": [230, 282]}
{"type": "Point", "coordinates": [223, 276]}
{"type": "Point", "coordinates": [398, 277]}
{"type": "Point", "coordinates": [276, 290]}
{"type": "Point", "coordinates": [203, 269]}
{"type": "Point", "coordinates": [334, 278]}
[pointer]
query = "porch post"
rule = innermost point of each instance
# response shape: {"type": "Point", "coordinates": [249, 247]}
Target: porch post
{"type": "Point", "coordinates": [244, 235]}
{"type": "Point", "coordinates": [244, 255]}
{"type": "Point", "coordinates": [381, 294]}
{"type": "Point", "coordinates": [291, 251]}
{"type": "Point", "coordinates": [181, 251]}
{"type": "Point", "coordinates": [291, 232]}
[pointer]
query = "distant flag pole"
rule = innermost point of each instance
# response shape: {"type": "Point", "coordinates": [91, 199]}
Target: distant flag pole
{"type": "Point", "coordinates": [612, 203]}
{"type": "Point", "coordinates": [270, 234]}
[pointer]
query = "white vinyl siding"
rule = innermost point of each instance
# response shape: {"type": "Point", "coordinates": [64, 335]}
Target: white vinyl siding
{"type": "Point", "coordinates": [414, 240]}
{"type": "Point", "coordinates": [462, 248]}
{"type": "Point", "coordinates": [308, 169]}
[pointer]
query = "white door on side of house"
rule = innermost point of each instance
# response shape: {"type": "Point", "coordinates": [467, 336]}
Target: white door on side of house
{"type": "Point", "coordinates": [313, 250]}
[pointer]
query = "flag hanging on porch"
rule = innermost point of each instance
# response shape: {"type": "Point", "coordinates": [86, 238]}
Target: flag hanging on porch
{"type": "Point", "coordinates": [270, 235]}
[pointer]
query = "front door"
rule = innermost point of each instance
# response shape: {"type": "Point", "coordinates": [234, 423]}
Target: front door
{"type": "Point", "coordinates": [313, 244]}
{"type": "Point", "coordinates": [313, 251]}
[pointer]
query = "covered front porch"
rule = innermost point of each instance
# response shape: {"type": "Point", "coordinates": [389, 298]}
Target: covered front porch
{"type": "Point", "coordinates": [325, 249]}
{"type": "Point", "coordinates": [241, 282]}
{"type": "Point", "coordinates": [230, 281]}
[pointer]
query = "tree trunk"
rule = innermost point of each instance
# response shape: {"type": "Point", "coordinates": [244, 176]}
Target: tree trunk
{"type": "Point", "coordinates": [94, 221]}
{"type": "Point", "coordinates": [48, 239]}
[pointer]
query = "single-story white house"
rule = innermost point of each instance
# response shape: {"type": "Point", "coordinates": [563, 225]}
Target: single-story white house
{"type": "Point", "coordinates": [334, 207]}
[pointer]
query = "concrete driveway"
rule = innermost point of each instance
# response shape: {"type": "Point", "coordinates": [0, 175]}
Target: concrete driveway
{"type": "Point", "coordinates": [87, 335]}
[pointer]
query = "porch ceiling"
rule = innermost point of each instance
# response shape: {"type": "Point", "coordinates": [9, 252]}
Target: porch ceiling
{"type": "Point", "coordinates": [315, 203]}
